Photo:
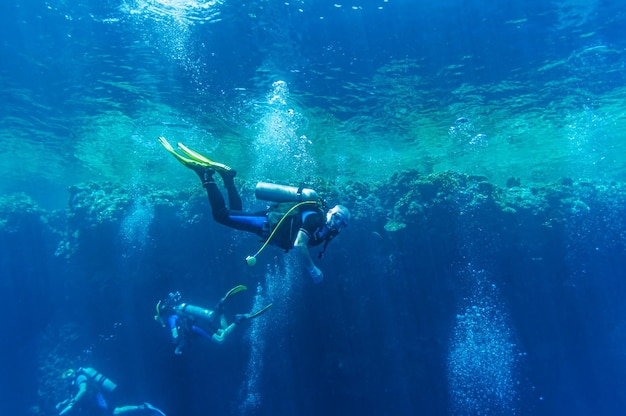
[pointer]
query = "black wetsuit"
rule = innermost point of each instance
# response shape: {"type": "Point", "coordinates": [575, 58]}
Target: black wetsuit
{"type": "Point", "coordinates": [309, 218]}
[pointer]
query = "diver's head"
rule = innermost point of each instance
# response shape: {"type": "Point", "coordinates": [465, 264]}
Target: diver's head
{"type": "Point", "coordinates": [173, 299]}
{"type": "Point", "coordinates": [338, 218]}
{"type": "Point", "coordinates": [69, 374]}
{"type": "Point", "coordinates": [165, 307]}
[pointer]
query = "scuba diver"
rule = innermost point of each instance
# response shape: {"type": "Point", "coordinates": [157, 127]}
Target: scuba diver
{"type": "Point", "coordinates": [299, 219]}
{"type": "Point", "coordinates": [185, 321]}
{"type": "Point", "coordinates": [90, 386]}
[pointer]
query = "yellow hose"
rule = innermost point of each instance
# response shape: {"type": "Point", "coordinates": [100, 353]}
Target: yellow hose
{"type": "Point", "coordinates": [158, 309]}
{"type": "Point", "coordinates": [251, 260]}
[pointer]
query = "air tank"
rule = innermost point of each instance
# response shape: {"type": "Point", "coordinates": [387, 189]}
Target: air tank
{"type": "Point", "coordinates": [99, 379]}
{"type": "Point", "coordinates": [195, 311]}
{"type": "Point", "coordinates": [282, 193]}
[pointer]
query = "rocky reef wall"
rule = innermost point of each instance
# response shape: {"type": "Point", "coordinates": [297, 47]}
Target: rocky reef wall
{"type": "Point", "coordinates": [412, 242]}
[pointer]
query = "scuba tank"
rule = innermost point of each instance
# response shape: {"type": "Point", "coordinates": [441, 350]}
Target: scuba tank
{"type": "Point", "coordinates": [98, 378]}
{"type": "Point", "coordinates": [282, 193]}
{"type": "Point", "coordinates": [289, 195]}
{"type": "Point", "coordinates": [194, 311]}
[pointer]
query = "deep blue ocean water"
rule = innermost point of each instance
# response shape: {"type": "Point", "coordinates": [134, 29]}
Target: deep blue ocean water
{"type": "Point", "coordinates": [461, 317]}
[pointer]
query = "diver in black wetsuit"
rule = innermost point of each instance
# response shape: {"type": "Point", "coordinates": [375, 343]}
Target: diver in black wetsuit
{"type": "Point", "coordinates": [307, 225]}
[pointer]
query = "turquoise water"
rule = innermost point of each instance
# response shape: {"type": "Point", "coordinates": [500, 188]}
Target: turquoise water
{"type": "Point", "coordinates": [448, 294]}
{"type": "Point", "coordinates": [286, 90]}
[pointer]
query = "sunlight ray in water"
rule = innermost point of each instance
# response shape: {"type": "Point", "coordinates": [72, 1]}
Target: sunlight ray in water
{"type": "Point", "coordinates": [189, 11]}
{"type": "Point", "coordinates": [480, 150]}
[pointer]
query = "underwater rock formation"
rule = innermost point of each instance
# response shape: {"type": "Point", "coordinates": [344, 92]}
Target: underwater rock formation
{"type": "Point", "coordinates": [101, 217]}
{"type": "Point", "coordinates": [129, 244]}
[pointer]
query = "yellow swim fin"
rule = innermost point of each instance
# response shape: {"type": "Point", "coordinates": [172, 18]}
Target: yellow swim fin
{"type": "Point", "coordinates": [259, 312]}
{"type": "Point", "coordinates": [190, 163]}
{"type": "Point", "coordinates": [243, 317]}
{"type": "Point", "coordinates": [203, 159]}
{"type": "Point", "coordinates": [194, 155]}
{"type": "Point", "coordinates": [234, 290]}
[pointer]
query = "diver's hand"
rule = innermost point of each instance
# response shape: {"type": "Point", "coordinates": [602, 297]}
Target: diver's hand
{"type": "Point", "coordinates": [316, 274]}
{"type": "Point", "coordinates": [61, 404]}
{"type": "Point", "coordinates": [68, 408]}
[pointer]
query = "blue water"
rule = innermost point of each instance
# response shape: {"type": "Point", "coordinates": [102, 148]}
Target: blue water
{"type": "Point", "coordinates": [463, 312]}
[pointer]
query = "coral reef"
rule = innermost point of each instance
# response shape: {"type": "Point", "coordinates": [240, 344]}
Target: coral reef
{"type": "Point", "coordinates": [114, 239]}
{"type": "Point", "coordinates": [428, 204]}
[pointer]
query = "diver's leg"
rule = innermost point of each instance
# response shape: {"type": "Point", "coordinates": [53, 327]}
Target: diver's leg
{"type": "Point", "coordinates": [216, 199]}
{"type": "Point", "coordinates": [251, 222]}
{"type": "Point", "coordinates": [234, 200]}
{"type": "Point", "coordinates": [221, 335]}
{"type": "Point", "coordinates": [201, 332]}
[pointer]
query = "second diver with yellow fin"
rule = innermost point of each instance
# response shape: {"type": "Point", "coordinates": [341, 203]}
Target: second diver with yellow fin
{"type": "Point", "coordinates": [185, 321]}
{"type": "Point", "coordinates": [307, 223]}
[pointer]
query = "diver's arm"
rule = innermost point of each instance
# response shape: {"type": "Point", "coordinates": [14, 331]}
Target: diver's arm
{"type": "Point", "coordinates": [302, 239]}
{"type": "Point", "coordinates": [301, 246]}
{"type": "Point", "coordinates": [82, 389]}
{"type": "Point", "coordinates": [69, 404]}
